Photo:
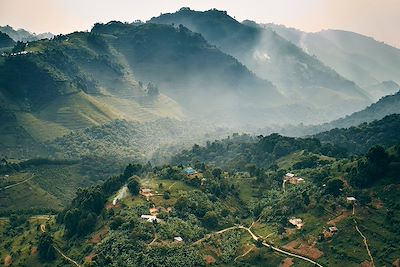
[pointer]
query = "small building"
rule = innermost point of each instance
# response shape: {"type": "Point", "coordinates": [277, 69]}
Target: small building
{"type": "Point", "coordinates": [150, 218]}
{"type": "Point", "coordinates": [328, 233]}
{"type": "Point", "coordinates": [292, 178]}
{"type": "Point", "coordinates": [189, 171]}
{"type": "Point", "coordinates": [296, 222]}
{"type": "Point", "coordinates": [192, 173]}
{"type": "Point", "coordinates": [332, 229]}
{"type": "Point", "coordinates": [351, 200]}
{"type": "Point", "coordinates": [146, 192]}
{"type": "Point", "coordinates": [154, 211]}
{"type": "Point", "coordinates": [178, 239]}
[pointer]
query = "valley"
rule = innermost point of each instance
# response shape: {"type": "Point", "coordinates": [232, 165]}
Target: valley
{"type": "Point", "coordinates": [195, 139]}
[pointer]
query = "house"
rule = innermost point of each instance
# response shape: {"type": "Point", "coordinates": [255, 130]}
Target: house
{"type": "Point", "coordinates": [150, 218]}
{"type": "Point", "coordinates": [328, 233]}
{"type": "Point", "coordinates": [351, 200]}
{"type": "Point", "coordinates": [189, 171]}
{"type": "Point", "coordinates": [178, 239]}
{"type": "Point", "coordinates": [297, 222]}
{"type": "Point", "coordinates": [292, 179]}
{"type": "Point", "coordinates": [192, 173]}
{"type": "Point", "coordinates": [146, 192]}
{"type": "Point", "coordinates": [154, 211]}
{"type": "Point", "coordinates": [332, 229]}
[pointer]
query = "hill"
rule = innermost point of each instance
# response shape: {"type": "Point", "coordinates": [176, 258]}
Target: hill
{"type": "Point", "coordinates": [52, 87]}
{"type": "Point", "coordinates": [6, 41]}
{"type": "Point", "coordinates": [187, 68]}
{"type": "Point", "coordinates": [358, 139]}
{"type": "Point", "coordinates": [387, 105]}
{"type": "Point", "coordinates": [225, 215]}
{"type": "Point", "coordinates": [356, 57]}
{"type": "Point", "coordinates": [299, 76]}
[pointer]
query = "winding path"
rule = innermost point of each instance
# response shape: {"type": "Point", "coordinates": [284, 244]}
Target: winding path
{"type": "Point", "coordinates": [255, 237]}
{"type": "Point", "coordinates": [12, 185]}
{"type": "Point", "coordinates": [66, 257]}
{"type": "Point", "coordinates": [365, 240]}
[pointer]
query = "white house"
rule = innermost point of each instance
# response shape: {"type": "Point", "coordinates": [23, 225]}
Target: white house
{"type": "Point", "coordinates": [178, 239]}
{"type": "Point", "coordinates": [150, 218]}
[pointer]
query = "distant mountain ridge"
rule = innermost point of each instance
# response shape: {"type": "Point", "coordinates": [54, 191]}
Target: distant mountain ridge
{"type": "Point", "coordinates": [24, 35]}
{"type": "Point", "coordinates": [386, 106]}
{"type": "Point", "coordinates": [355, 56]}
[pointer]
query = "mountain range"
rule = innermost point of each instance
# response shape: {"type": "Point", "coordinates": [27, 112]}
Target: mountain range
{"type": "Point", "coordinates": [357, 57]}
{"type": "Point", "coordinates": [188, 65]}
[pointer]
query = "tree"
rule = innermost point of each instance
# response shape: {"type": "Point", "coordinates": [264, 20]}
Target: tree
{"type": "Point", "coordinates": [217, 172]}
{"type": "Point", "coordinates": [134, 185]}
{"type": "Point", "coordinates": [334, 186]}
{"type": "Point", "coordinates": [210, 219]}
{"type": "Point", "coordinates": [45, 247]}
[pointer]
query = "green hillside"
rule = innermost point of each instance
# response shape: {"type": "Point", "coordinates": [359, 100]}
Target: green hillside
{"type": "Point", "coordinates": [225, 214]}
{"type": "Point", "coordinates": [71, 82]}
{"type": "Point", "coordinates": [357, 139]}
{"type": "Point", "coordinates": [5, 41]}
{"type": "Point", "coordinates": [301, 77]}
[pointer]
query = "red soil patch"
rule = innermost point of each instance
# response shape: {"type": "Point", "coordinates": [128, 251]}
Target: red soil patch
{"type": "Point", "coordinates": [97, 237]}
{"type": "Point", "coordinates": [377, 204]}
{"type": "Point", "coordinates": [286, 262]}
{"type": "Point", "coordinates": [302, 248]}
{"type": "Point", "coordinates": [366, 264]}
{"type": "Point", "coordinates": [89, 258]}
{"type": "Point", "coordinates": [210, 260]}
{"type": "Point", "coordinates": [339, 218]}
{"type": "Point", "coordinates": [111, 206]}
{"type": "Point", "coordinates": [8, 260]}
{"type": "Point", "coordinates": [34, 250]}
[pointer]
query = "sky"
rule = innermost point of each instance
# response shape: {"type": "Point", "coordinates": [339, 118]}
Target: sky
{"type": "Point", "coordinates": [379, 19]}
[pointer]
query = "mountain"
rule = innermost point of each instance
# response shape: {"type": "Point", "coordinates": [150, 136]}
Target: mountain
{"type": "Point", "coordinates": [71, 82]}
{"type": "Point", "coordinates": [387, 105]}
{"type": "Point", "coordinates": [190, 70]}
{"type": "Point", "coordinates": [298, 75]}
{"type": "Point", "coordinates": [121, 71]}
{"type": "Point", "coordinates": [24, 35]}
{"type": "Point", "coordinates": [356, 57]}
{"type": "Point", "coordinates": [358, 139]}
{"type": "Point", "coordinates": [6, 41]}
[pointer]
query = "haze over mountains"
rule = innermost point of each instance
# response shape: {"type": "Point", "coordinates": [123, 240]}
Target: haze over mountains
{"type": "Point", "coordinates": [190, 65]}
{"type": "Point", "coordinates": [359, 58]}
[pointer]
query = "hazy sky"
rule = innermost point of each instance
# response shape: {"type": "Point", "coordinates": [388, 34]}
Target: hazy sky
{"type": "Point", "coordinates": [377, 18]}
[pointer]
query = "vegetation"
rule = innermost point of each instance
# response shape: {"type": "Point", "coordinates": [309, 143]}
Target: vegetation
{"type": "Point", "coordinates": [360, 138]}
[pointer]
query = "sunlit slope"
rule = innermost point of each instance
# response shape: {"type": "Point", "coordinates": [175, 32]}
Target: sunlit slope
{"type": "Point", "coordinates": [69, 83]}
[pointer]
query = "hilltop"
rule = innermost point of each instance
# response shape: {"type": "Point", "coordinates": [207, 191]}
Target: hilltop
{"type": "Point", "coordinates": [301, 77]}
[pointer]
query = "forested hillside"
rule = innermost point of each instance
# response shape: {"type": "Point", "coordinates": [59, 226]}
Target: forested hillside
{"type": "Point", "coordinates": [358, 139]}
